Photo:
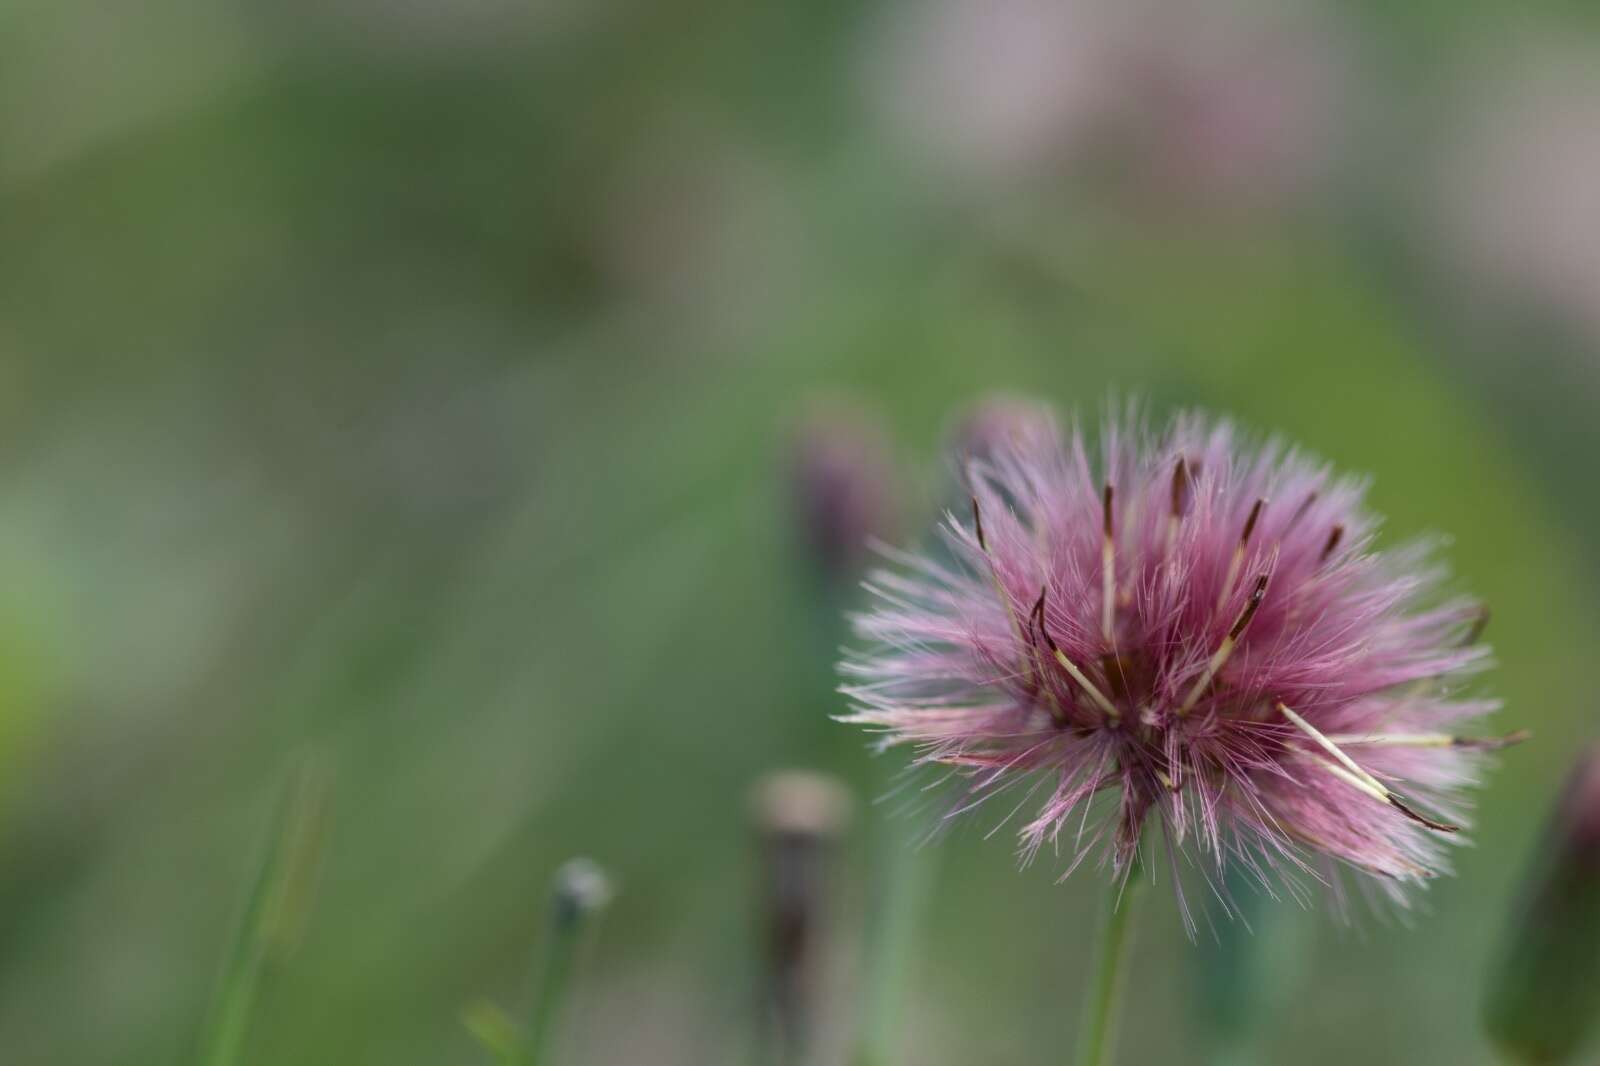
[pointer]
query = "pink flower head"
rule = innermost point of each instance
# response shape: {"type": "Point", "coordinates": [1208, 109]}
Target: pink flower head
{"type": "Point", "coordinates": [1187, 627]}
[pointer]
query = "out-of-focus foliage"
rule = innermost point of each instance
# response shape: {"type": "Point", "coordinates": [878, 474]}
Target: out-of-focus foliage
{"type": "Point", "coordinates": [417, 381]}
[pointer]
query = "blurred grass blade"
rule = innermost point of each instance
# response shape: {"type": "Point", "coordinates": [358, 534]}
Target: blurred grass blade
{"type": "Point", "coordinates": [1247, 974]}
{"type": "Point", "coordinates": [580, 893]}
{"type": "Point", "coordinates": [275, 910]}
{"type": "Point", "coordinates": [495, 1030]}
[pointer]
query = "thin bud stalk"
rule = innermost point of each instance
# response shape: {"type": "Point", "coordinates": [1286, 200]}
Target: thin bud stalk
{"type": "Point", "coordinates": [581, 893]}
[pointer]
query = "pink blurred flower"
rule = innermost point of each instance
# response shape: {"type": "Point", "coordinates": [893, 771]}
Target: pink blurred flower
{"type": "Point", "coordinates": [1225, 108]}
{"type": "Point", "coordinates": [1214, 106]}
{"type": "Point", "coordinates": [990, 91]}
{"type": "Point", "coordinates": [1189, 629]}
{"type": "Point", "coordinates": [1514, 194]}
{"type": "Point", "coordinates": [997, 422]}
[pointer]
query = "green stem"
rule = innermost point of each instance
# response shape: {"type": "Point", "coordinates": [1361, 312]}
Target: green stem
{"type": "Point", "coordinates": [235, 995]}
{"type": "Point", "coordinates": [896, 917]}
{"type": "Point", "coordinates": [560, 958]}
{"type": "Point", "coordinates": [1101, 1006]}
{"type": "Point", "coordinates": [559, 962]}
{"type": "Point", "coordinates": [581, 892]}
{"type": "Point", "coordinates": [274, 910]}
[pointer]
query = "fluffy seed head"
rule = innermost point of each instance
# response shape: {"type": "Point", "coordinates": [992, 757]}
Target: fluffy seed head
{"type": "Point", "coordinates": [1189, 629]}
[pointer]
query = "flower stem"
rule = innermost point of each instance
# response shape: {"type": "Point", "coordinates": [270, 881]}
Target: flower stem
{"type": "Point", "coordinates": [1101, 1006]}
{"type": "Point", "coordinates": [906, 881]}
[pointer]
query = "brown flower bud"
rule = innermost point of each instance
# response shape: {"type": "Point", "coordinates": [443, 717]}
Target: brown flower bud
{"type": "Point", "coordinates": [843, 485]}
{"type": "Point", "coordinates": [799, 816]}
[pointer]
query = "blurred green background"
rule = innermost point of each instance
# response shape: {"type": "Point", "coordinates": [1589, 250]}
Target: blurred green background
{"type": "Point", "coordinates": [419, 383]}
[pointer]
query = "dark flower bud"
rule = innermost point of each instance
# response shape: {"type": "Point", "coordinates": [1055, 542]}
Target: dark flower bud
{"type": "Point", "coordinates": [1544, 998]}
{"type": "Point", "coordinates": [997, 423]}
{"type": "Point", "coordinates": [843, 485]}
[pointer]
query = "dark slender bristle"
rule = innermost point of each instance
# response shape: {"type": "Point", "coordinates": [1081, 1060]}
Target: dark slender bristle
{"type": "Point", "coordinates": [1038, 612]}
{"type": "Point", "coordinates": [1105, 507]}
{"type": "Point", "coordinates": [1480, 621]}
{"type": "Point", "coordinates": [1250, 523]}
{"type": "Point", "coordinates": [1300, 512]}
{"type": "Point", "coordinates": [977, 524]}
{"type": "Point", "coordinates": [1491, 743]}
{"type": "Point", "coordinates": [1335, 535]}
{"type": "Point", "coordinates": [1180, 487]}
{"type": "Point", "coordinates": [1422, 819]}
{"type": "Point", "coordinates": [1250, 607]}
{"type": "Point", "coordinates": [1036, 625]}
